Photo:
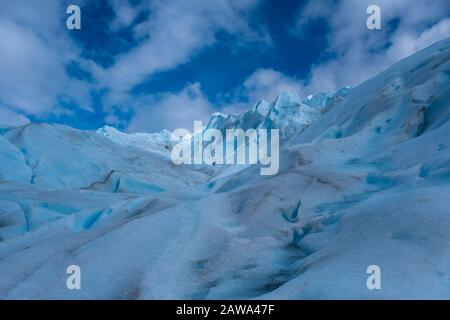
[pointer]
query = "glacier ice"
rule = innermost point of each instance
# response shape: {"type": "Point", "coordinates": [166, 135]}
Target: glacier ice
{"type": "Point", "coordinates": [159, 142]}
{"type": "Point", "coordinates": [364, 179]}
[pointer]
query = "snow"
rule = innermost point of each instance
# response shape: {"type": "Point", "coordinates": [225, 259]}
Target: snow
{"type": "Point", "coordinates": [13, 163]}
{"type": "Point", "coordinates": [364, 180]}
{"type": "Point", "coordinates": [159, 142]}
{"type": "Point", "coordinates": [287, 112]}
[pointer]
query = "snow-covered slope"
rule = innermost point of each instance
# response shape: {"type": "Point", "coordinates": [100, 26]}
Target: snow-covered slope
{"type": "Point", "coordinates": [288, 112]}
{"type": "Point", "coordinates": [50, 172]}
{"type": "Point", "coordinates": [159, 142]}
{"type": "Point", "coordinates": [365, 183]}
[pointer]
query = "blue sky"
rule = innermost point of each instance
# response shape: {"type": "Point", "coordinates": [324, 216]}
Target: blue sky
{"type": "Point", "coordinates": [145, 65]}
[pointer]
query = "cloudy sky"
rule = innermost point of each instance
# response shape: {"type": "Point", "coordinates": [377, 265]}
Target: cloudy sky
{"type": "Point", "coordinates": [145, 65]}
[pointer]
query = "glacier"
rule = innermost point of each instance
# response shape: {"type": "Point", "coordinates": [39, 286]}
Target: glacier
{"type": "Point", "coordinates": [364, 180]}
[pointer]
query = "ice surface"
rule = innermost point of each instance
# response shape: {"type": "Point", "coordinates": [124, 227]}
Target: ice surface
{"type": "Point", "coordinates": [159, 142]}
{"type": "Point", "coordinates": [364, 180]}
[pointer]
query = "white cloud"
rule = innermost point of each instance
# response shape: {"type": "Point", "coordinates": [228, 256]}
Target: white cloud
{"type": "Point", "coordinates": [267, 84]}
{"type": "Point", "coordinates": [171, 110]}
{"type": "Point", "coordinates": [11, 118]}
{"type": "Point", "coordinates": [125, 14]}
{"type": "Point", "coordinates": [30, 72]}
{"type": "Point", "coordinates": [408, 42]}
{"type": "Point", "coordinates": [34, 52]}
{"type": "Point", "coordinates": [173, 34]}
{"type": "Point", "coordinates": [361, 53]}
